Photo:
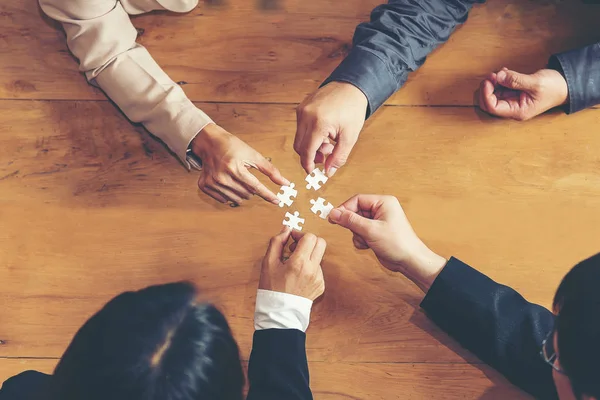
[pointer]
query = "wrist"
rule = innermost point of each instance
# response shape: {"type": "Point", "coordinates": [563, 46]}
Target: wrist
{"type": "Point", "coordinates": [423, 268]}
{"type": "Point", "coordinates": [562, 89]}
{"type": "Point", "coordinates": [203, 141]}
{"type": "Point", "coordinates": [350, 91]}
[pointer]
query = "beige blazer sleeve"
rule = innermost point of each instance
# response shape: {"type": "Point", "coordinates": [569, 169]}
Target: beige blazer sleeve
{"type": "Point", "coordinates": [100, 34]}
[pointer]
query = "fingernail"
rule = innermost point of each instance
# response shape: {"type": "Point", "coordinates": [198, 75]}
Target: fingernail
{"type": "Point", "coordinates": [331, 171]}
{"type": "Point", "coordinates": [276, 202]}
{"type": "Point", "coordinates": [335, 215]}
{"type": "Point", "coordinates": [501, 75]}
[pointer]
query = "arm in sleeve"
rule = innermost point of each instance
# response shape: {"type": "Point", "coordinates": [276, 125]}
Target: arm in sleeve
{"type": "Point", "coordinates": [278, 367]}
{"type": "Point", "coordinates": [101, 36]}
{"type": "Point", "coordinates": [395, 42]}
{"type": "Point", "coordinates": [27, 385]}
{"type": "Point", "coordinates": [581, 70]}
{"type": "Point", "coordinates": [495, 323]}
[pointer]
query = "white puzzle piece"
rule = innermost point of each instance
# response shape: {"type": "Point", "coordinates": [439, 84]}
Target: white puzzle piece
{"type": "Point", "coordinates": [293, 220]}
{"type": "Point", "coordinates": [319, 207]}
{"type": "Point", "coordinates": [285, 198]}
{"type": "Point", "coordinates": [315, 179]}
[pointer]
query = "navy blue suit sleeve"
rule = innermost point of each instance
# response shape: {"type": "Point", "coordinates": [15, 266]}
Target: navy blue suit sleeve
{"type": "Point", "coordinates": [495, 323]}
{"type": "Point", "coordinates": [395, 42]}
{"type": "Point", "coordinates": [581, 70]}
{"type": "Point", "coordinates": [278, 368]}
{"type": "Point", "coordinates": [29, 385]}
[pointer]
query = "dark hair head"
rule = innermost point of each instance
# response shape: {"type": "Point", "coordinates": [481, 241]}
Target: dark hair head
{"type": "Point", "coordinates": [153, 344]}
{"type": "Point", "coordinates": [577, 305]}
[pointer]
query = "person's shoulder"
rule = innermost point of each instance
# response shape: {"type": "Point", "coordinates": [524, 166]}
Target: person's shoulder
{"type": "Point", "coordinates": [28, 385]}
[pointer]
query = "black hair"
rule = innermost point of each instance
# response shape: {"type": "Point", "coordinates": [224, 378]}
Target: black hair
{"type": "Point", "coordinates": [577, 304]}
{"type": "Point", "coordinates": [153, 344]}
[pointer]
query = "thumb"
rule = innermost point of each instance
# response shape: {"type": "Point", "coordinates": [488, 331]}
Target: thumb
{"type": "Point", "coordinates": [350, 220]}
{"type": "Point", "coordinates": [340, 153]}
{"type": "Point", "coordinates": [515, 80]}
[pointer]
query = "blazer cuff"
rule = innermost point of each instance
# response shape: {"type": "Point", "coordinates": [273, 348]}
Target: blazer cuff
{"type": "Point", "coordinates": [185, 127]}
{"type": "Point", "coordinates": [581, 70]}
{"type": "Point", "coordinates": [455, 277]}
{"type": "Point", "coordinates": [370, 74]}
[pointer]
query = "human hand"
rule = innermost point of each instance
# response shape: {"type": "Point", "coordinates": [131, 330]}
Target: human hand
{"type": "Point", "coordinates": [301, 273]}
{"type": "Point", "coordinates": [379, 223]}
{"type": "Point", "coordinates": [225, 163]}
{"type": "Point", "coordinates": [509, 94]}
{"type": "Point", "coordinates": [328, 124]}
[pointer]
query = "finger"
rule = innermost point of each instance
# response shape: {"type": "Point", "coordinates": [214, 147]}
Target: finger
{"type": "Point", "coordinates": [359, 242]}
{"type": "Point", "coordinates": [492, 78]}
{"type": "Point", "coordinates": [320, 158]}
{"type": "Point", "coordinates": [268, 169]}
{"type": "Point", "coordinates": [237, 187]}
{"type": "Point", "coordinates": [502, 109]}
{"type": "Point", "coordinates": [318, 251]}
{"type": "Point", "coordinates": [341, 152]}
{"type": "Point", "coordinates": [277, 245]}
{"type": "Point", "coordinates": [305, 246]}
{"type": "Point", "coordinates": [326, 148]}
{"type": "Point", "coordinates": [301, 127]}
{"type": "Point", "coordinates": [488, 98]}
{"type": "Point", "coordinates": [312, 142]}
{"type": "Point", "coordinates": [228, 193]}
{"type": "Point", "coordinates": [352, 221]}
{"type": "Point", "coordinates": [214, 194]}
{"type": "Point", "coordinates": [516, 80]}
{"type": "Point", "coordinates": [363, 202]}
{"type": "Point", "coordinates": [256, 187]}
{"type": "Point", "coordinates": [297, 235]}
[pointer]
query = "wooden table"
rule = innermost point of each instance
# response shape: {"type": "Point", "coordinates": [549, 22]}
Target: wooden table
{"type": "Point", "coordinates": [91, 205]}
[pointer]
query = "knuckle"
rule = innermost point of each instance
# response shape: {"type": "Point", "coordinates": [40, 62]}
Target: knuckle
{"type": "Point", "coordinates": [296, 267]}
{"type": "Point", "coordinates": [310, 237]}
{"type": "Point", "coordinates": [351, 217]}
{"type": "Point", "coordinates": [231, 169]}
{"type": "Point", "coordinates": [340, 161]}
{"type": "Point", "coordinates": [220, 179]}
{"type": "Point", "coordinates": [521, 116]}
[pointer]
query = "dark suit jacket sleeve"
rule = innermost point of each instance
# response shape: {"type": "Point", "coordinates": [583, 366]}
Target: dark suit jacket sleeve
{"type": "Point", "coordinates": [494, 322]}
{"type": "Point", "coordinates": [29, 385]}
{"type": "Point", "coordinates": [278, 367]}
{"type": "Point", "coordinates": [581, 69]}
{"type": "Point", "coordinates": [395, 42]}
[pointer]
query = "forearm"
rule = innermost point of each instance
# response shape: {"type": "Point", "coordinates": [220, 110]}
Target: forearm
{"type": "Point", "coordinates": [278, 368]}
{"type": "Point", "coordinates": [581, 70]}
{"type": "Point", "coordinates": [101, 36]}
{"type": "Point", "coordinates": [494, 322]}
{"type": "Point", "coordinates": [396, 41]}
{"type": "Point", "coordinates": [145, 93]}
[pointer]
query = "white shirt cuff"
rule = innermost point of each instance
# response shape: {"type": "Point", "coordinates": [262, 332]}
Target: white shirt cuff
{"type": "Point", "coordinates": [276, 310]}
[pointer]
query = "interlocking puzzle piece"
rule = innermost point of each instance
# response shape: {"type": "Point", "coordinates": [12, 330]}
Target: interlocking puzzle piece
{"type": "Point", "coordinates": [285, 198]}
{"type": "Point", "coordinates": [293, 220]}
{"type": "Point", "coordinates": [315, 179]}
{"type": "Point", "coordinates": [319, 207]}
